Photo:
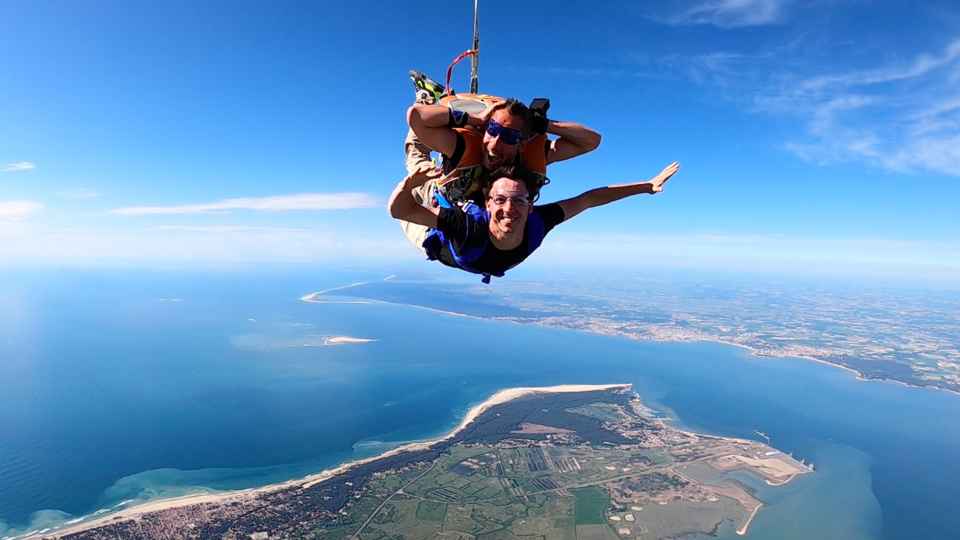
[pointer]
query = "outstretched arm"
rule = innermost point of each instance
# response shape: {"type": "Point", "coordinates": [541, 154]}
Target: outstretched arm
{"type": "Point", "coordinates": [403, 206]}
{"type": "Point", "coordinates": [606, 195]}
{"type": "Point", "coordinates": [431, 124]}
{"type": "Point", "coordinates": [574, 140]}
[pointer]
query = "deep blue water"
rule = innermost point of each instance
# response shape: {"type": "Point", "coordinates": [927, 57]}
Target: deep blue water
{"type": "Point", "coordinates": [108, 393]}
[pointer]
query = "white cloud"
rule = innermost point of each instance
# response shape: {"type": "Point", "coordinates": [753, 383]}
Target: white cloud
{"type": "Point", "coordinates": [78, 193]}
{"type": "Point", "coordinates": [282, 203]}
{"type": "Point", "coordinates": [18, 210]}
{"type": "Point", "coordinates": [26, 242]}
{"type": "Point", "coordinates": [899, 115]}
{"type": "Point", "coordinates": [725, 13]}
{"type": "Point", "coordinates": [22, 166]}
{"type": "Point", "coordinates": [30, 242]}
{"type": "Point", "coordinates": [922, 65]}
{"type": "Point", "coordinates": [934, 153]}
{"type": "Point", "coordinates": [901, 118]}
{"type": "Point", "coordinates": [219, 228]}
{"type": "Point", "coordinates": [853, 256]}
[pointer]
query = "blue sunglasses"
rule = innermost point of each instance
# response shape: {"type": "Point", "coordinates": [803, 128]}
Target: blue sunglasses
{"type": "Point", "coordinates": [507, 136]}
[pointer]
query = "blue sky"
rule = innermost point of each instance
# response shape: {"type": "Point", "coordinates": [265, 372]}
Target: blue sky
{"type": "Point", "coordinates": [813, 135]}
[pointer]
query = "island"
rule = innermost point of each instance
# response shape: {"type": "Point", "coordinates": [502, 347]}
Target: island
{"type": "Point", "coordinates": [569, 462]}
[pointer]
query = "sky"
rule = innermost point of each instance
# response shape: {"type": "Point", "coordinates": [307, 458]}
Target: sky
{"type": "Point", "coordinates": [819, 136]}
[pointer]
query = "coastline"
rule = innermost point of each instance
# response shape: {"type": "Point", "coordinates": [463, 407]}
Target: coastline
{"type": "Point", "coordinates": [789, 478]}
{"type": "Point", "coordinates": [743, 528]}
{"type": "Point", "coordinates": [859, 376]}
{"type": "Point", "coordinates": [503, 396]}
{"type": "Point", "coordinates": [753, 352]}
{"type": "Point", "coordinates": [311, 298]}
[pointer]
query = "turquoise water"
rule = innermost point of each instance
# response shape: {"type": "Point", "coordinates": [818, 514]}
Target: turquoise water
{"type": "Point", "coordinates": [110, 394]}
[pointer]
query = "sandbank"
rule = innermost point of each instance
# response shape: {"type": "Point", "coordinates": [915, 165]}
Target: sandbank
{"type": "Point", "coordinates": [340, 340]}
{"type": "Point", "coordinates": [774, 467]}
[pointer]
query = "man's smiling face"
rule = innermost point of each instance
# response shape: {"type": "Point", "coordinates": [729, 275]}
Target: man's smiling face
{"type": "Point", "coordinates": [509, 205]}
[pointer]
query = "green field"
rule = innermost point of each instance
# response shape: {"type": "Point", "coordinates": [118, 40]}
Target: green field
{"type": "Point", "coordinates": [431, 512]}
{"type": "Point", "coordinates": [589, 505]}
{"type": "Point", "coordinates": [600, 411]}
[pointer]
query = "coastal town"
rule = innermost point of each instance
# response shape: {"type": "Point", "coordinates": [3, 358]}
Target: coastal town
{"type": "Point", "coordinates": [562, 462]}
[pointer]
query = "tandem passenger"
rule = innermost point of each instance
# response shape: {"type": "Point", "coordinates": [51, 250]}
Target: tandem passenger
{"type": "Point", "coordinates": [492, 239]}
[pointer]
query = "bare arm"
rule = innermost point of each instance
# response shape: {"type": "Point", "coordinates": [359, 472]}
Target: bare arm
{"type": "Point", "coordinates": [574, 140]}
{"type": "Point", "coordinates": [403, 206]}
{"type": "Point", "coordinates": [431, 124]}
{"type": "Point", "coordinates": [606, 195]}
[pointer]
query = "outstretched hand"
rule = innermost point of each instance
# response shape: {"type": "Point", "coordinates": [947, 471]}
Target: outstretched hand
{"type": "Point", "coordinates": [422, 174]}
{"type": "Point", "coordinates": [656, 183]}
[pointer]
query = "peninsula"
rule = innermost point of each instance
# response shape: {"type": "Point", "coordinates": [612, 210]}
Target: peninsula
{"type": "Point", "coordinates": [566, 462]}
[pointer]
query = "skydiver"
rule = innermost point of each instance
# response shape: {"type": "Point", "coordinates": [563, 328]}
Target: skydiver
{"type": "Point", "coordinates": [492, 239]}
{"type": "Point", "coordinates": [472, 145]}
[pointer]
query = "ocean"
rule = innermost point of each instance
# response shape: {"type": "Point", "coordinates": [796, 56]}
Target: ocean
{"type": "Point", "coordinates": [120, 385]}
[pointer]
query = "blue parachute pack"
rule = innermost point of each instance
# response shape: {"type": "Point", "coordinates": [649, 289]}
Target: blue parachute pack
{"type": "Point", "coordinates": [436, 239]}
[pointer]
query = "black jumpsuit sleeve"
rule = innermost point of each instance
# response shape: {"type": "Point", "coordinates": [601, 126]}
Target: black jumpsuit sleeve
{"type": "Point", "coordinates": [552, 215]}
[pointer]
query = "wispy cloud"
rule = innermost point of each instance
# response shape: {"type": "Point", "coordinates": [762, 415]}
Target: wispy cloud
{"type": "Point", "coordinates": [22, 166]}
{"type": "Point", "coordinates": [26, 241]}
{"type": "Point", "coordinates": [723, 13]}
{"type": "Point", "coordinates": [224, 229]}
{"type": "Point", "coordinates": [18, 210]}
{"type": "Point", "coordinates": [863, 256]}
{"type": "Point", "coordinates": [920, 66]}
{"type": "Point", "coordinates": [78, 193]}
{"type": "Point", "coordinates": [900, 115]}
{"type": "Point", "coordinates": [282, 203]}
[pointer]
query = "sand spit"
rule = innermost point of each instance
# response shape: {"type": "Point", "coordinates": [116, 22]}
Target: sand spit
{"type": "Point", "coordinates": [314, 298]}
{"type": "Point", "coordinates": [500, 397]}
{"type": "Point", "coordinates": [743, 529]}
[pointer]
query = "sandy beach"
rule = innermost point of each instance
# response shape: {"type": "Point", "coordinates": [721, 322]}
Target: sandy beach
{"type": "Point", "coordinates": [743, 528]}
{"type": "Point", "coordinates": [500, 397]}
{"type": "Point", "coordinates": [313, 297]}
